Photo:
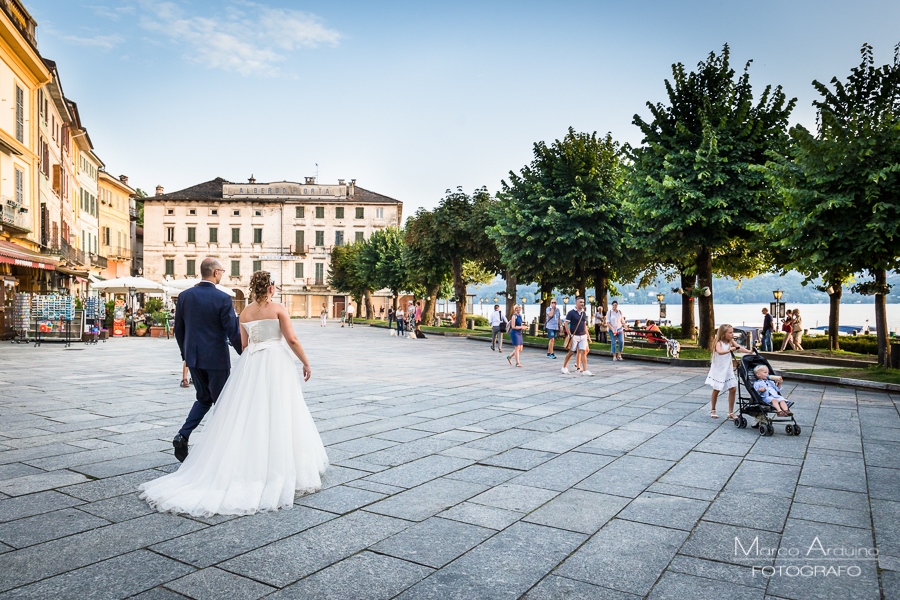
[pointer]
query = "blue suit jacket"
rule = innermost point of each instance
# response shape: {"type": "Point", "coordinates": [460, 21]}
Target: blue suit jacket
{"type": "Point", "coordinates": [204, 323]}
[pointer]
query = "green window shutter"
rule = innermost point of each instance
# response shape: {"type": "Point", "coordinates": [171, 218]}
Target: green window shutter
{"type": "Point", "coordinates": [191, 268]}
{"type": "Point", "coordinates": [360, 236]}
{"type": "Point", "coordinates": [298, 270]}
{"type": "Point", "coordinates": [320, 238]}
{"type": "Point", "coordinates": [213, 235]}
{"type": "Point", "coordinates": [320, 212]}
{"type": "Point", "coordinates": [320, 272]}
{"type": "Point", "coordinates": [299, 242]}
{"type": "Point", "coordinates": [339, 212]}
{"type": "Point", "coordinates": [192, 235]}
{"type": "Point", "coordinates": [170, 266]}
{"type": "Point", "coordinates": [338, 238]}
{"type": "Point", "coordinates": [257, 265]}
{"type": "Point", "coordinates": [257, 236]}
{"type": "Point", "coordinates": [360, 212]}
{"type": "Point", "coordinates": [235, 268]}
{"type": "Point", "coordinates": [235, 235]}
{"type": "Point", "coordinates": [20, 114]}
{"type": "Point", "coordinates": [299, 213]}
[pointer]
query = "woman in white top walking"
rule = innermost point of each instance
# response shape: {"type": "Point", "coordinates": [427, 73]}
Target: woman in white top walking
{"type": "Point", "coordinates": [721, 372]}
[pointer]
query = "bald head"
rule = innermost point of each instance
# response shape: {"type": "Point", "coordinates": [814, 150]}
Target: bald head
{"type": "Point", "coordinates": [208, 268]}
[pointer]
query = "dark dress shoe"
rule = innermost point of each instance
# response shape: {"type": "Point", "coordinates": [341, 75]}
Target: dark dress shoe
{"type": "Point", "coordinates": [181, 447]}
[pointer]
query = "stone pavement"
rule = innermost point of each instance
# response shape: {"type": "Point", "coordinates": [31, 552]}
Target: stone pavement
{"type": "Point", "coordinates": [453, 476]}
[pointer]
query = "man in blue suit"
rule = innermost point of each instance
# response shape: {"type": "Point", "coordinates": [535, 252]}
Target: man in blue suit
{"type": "Point", "coordinates": [204, 324]}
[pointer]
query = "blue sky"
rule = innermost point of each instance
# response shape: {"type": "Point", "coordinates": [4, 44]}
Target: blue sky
{"type": "Point", "coordinates": [409, 98]}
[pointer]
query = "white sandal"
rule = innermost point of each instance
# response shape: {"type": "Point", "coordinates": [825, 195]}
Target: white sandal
{"type": "Point", "coordinates": [713, 414]}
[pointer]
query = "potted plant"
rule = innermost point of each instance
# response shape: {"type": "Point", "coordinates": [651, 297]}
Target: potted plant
{"type": "Point", "coordinates": [104, 334]}
{"type": "Point", "coordinates": [140, 330]}
{"type": "Point", "coordinates": [158, 329]}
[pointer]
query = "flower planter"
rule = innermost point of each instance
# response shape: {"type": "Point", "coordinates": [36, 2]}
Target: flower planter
{"type": "Point", "coordinates": [141, 332]}
{"type": "Point", "coordinates": [104, 335]}
{"type": "Point", "coordinates": [157, 331]}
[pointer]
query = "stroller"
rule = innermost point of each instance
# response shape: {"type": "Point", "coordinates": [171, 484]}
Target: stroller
{"type": "Point", "coordinates": [753, 404]}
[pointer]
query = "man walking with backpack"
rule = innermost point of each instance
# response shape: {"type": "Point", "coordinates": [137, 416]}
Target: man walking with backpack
{"type": "Point", "coordinates": [552, 326]}
{"type": "Point", "coordinates": [576, 327]}
{"type": "Point", "coordinates": [498, 328]}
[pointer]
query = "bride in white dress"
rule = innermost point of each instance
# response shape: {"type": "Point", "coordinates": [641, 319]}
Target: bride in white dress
{"type": "Point", "coordinates": [260, 445]}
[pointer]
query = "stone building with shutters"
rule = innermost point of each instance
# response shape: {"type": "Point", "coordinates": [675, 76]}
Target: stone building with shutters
{"type": "Point", "coordinates": [284, 227]}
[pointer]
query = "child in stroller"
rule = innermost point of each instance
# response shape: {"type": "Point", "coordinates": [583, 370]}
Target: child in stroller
{"type": "Point", "coordinates": [769, 389]}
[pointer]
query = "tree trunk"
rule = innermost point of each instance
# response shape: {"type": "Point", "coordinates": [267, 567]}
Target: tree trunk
{"type": "Point", "coordinates": [580, 286]}
{"type": "Point", "coordinates": [687, 307]}
{"type": "Point", "coordinates": [834, 317]}
{"type": "Point", "coordinates": [546, 290]}
{"type": "Point", "coordinates": [601, 286]}
{"type": "Point", "coordinates": [707, 314]}
{"type": "Point", "coordinates": [511, 283]}
{"type": "Point", "coordinates": [881, 326]}
{"type": "Point", "coordinates": [459, 288]}
{"type": "Point", "coordinates": [430, 303]}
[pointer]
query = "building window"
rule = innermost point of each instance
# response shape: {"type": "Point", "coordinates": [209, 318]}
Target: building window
{"type": "Point", "coordinates": [20, 114]}
{"type": "Point", "coordinates": [192, 211]}
{"type": "Point", "coordinates": [213, 235]}
{"type": "Point", "coordinates": [170, 211]}
{"type": "Point", "coordinates": [170, 266]}
{"type": "Point", "coordinates": [360, 236]}
{"type": "Point", "coordinates": [300, 212]}
{"type": "Point", "coordinates": [106, 236]}
{"type": "Point", "coordinates": [320, 212]}
{"type": "Point", "coordinates": [339, 212]}
{"type": "Point", "coordinates": [192, 235]}
{"type": "Point", "coordinates": [191, 266]}
{"type": "Point", "coordinates": [320, 238]}
{"type": "Point", "coordinates": [257, 235]}
{"type": "Point", "coordinates": [298, 270]}
{"type": "Point", "coordinates": [214, 212]}
{"type": "Point", "coordinates": [235, 235]}
{"type": "Point", "coordinates": [20, 186]}
{"type": "Point", "coordinates": [360, 212]}
{"type": "Point", "coordinates": [235, 268]}
{"type": "Point", "coordinates": [299, 242]}
{"type": "Point", "coordinates": [257, 265]}
{"type": "Point", "coordinates": [257, 213]}
{"type": "Point", "coordinates": [170, 234]}
{"type": "Point", "coordinates": [236, 213]}
{"type": "Point", "coordinates": [320, 273]}
{"type": "Point", "coordinates": [379, 213]}
{"type": "Point", "coordinates": [339, 238]}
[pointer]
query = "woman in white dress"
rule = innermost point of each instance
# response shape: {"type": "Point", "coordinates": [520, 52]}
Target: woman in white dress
{"type": "Point", "coordinates": [260, 445]}
{"type": "Point", "coordinates": [721, 372]}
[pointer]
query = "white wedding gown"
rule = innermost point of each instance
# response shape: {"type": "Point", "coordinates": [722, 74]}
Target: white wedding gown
{"type": "Point", "coordinates": [259, 446]}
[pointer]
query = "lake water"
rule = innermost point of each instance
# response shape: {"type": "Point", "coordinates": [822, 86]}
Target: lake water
{"type": "Point", "coordinates": [814, 315]}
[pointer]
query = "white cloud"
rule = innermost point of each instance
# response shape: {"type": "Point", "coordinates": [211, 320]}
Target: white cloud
{"type": "Point", "coordinates": [248, 42]}
{"type": "Point", "coordinates": [114, 13]}
{"type": "Point", "coordinates": [100, 41]}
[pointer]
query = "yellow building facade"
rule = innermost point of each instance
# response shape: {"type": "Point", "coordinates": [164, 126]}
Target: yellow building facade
{"type": "Point", "coordinates": [115, 225]}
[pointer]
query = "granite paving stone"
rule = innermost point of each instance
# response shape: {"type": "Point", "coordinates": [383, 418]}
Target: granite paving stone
{"type": "Point", "coordinates": [618, 486]}
{"type": "Point", "coordinates": [607, 559]}
{"type": "Point", "coordinates": [104, 580]}
{"type": "Point", "coordinates": [214, 584]}
{"type": "Point", "coordinates": [433, 542]}
{"type": "Point", "coordinates": [366, 575]}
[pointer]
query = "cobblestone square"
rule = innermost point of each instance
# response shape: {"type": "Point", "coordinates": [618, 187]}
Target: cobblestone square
{"type": "Point", "coordinates": [452, 476]}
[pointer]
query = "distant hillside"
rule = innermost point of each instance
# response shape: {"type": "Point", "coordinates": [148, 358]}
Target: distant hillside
{"type": "Point", "coordinates": [727, 291]}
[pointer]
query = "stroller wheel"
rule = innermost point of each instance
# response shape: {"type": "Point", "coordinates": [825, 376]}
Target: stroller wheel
{"type": "Point", "coordinates": [762, 429]}
{"type": "Point", "coordinates": [737, 422]}
{"type": "Point", "coordinates": [770, 430]}
{"type": "Point", "coordinates": [789, 429]}
{"type": "Point", "coordinates": [796, 430]}
{"type": "Point", "coordinates": [743, 422]}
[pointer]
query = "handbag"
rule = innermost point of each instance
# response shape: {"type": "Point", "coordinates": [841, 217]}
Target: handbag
{"type": "Point", "coordinates": [786, 326]}
{"type": "Point", "coordinates": [568, 344]}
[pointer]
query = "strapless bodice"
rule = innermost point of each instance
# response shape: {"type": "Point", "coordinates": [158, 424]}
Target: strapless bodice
{"type": "Point", "coordinates": [263, 333]}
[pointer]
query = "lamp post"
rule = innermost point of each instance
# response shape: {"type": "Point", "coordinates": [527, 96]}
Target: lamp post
{"type": "Point", "coordinates": [590, 303]}
{"type": "Point", "coordinates": [662, 307]}
{"type": "Point", "coordinates": [566, 305]}
{"type": "Point", "coordinates": [777, 294]}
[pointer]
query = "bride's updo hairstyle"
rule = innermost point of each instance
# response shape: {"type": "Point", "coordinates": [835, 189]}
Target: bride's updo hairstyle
{"type": "Point", "coordinates": [259, 285]}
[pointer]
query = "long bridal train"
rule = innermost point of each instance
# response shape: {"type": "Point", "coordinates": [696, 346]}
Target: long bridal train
{"type": "Point", "coordinates": [260, 445]}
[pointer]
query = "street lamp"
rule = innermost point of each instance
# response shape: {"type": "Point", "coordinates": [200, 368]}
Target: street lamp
{"type": "Point", "coordinates": [777, 303]}
{"type": "Point", "coordinates": [524, 300]}
{"type": "Point", "coordinates": [566, 305]}
{"type": "Point", "coordinates": [662, 307]}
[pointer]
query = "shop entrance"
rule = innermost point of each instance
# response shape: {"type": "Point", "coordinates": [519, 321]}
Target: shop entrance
{"type": "Point", "coordinates": [337, 303]}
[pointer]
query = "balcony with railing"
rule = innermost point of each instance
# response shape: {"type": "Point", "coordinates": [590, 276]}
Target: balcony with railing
{"type": "Point", "coordinates": [99, 261]}
{"type": "Point", "coordinates": [298, 250]}
{"type": "Point", "coordinates": [14, 216]}
{"type": "Point", "coordinates": [71, 254]}
{"type": "Point", "coordinates": [134, 213]}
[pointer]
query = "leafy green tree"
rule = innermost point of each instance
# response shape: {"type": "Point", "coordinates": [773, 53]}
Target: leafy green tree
{"type": "Point", "coordinates": [694, 184]}
{"type": "Point", "coordinates": [139, 204]}
{"type": "Point", "coordinates": [344, 275]}
{"type": "Point", "coordinates": [428, 268]}
{"type": "Point", "coordinates": [461, 222]}
{"type": "Point", "coordinates": [561, 220]}
{"type": "Point", "coordinates": [380, 263]}
{"type": "Point", "coordinates": [841, 189]}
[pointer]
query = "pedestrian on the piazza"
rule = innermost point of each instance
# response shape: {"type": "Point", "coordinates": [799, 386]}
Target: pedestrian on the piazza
{"type": "Point", "coordinates": [576, 326]}
{"type": "Point", "coordinates": [788, 328]}
{"type": "Point", "coordinates": [721, 372]}
{"type": "Point", "coordinates": [390, 316]}
{"type": "Point", "coordinates": [616, 325]}
{"type": "Point", "coordinates": [350, 313]}
{"type": "Point", "coordinates": [767, 330]}
{"type": "Point", "coordinates": [552, 324]}
{"type": "Point", "coordinates": [797, 330]}
{"type": "Point", "coordinates": [498, 328]}
{"type": "Point", "coordinates": [381, 313]}
{"type": "Point", "coordinates": [401, 321]}
{"type": "Point", "coordinates": [599, 325]}
{"type": "Point", "coordinates": [324, 314]}
{"type": "Point", "coordinates": [515, 334]}
{"type": "Point", "coordinates": [204, 325]}
{"type": "Point", "coordinates": [418, 314]}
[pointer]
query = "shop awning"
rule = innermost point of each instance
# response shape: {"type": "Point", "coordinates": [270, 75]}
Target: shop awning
{"type": "Point", "coordinates": [74, 272]}
{"type": "Point", "coordinates": [17, 255]}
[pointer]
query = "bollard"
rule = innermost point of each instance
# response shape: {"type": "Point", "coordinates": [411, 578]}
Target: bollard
{"type": "Point", "coordinates": [532, 330]}
{"type": "Point", "coordinates": [470, 324]}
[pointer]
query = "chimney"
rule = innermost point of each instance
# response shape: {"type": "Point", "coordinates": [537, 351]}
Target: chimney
{"type": "Point", "coordinates": [252, 179]}
{"type": "Point", "coordinates": [123, 179]}
{"type": "Point", "coordinates": [352, 190]}
{"type": "Point", "coordinates": [340, 182]}
{"type": "Point", "coordinates": [159, 190]}
{"type": "Point", "coordinates": [310, 180]}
